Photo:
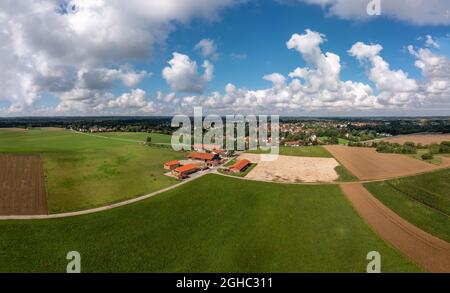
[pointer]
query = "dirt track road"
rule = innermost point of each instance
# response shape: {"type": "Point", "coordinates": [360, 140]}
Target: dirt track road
{"type": "Point", "coordinates": [429, 252]}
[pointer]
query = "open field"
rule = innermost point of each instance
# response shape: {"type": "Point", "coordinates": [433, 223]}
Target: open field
{"type": "Point", "coordinates": [138, 136]}
{"type": "Point", "coordinates": [429, 252]}
{"type": "Point", "coordinates": [11, 129]}
{"type": "Point", "coordinates": [368, 164]}
{"type": "Point", "coordinates": [292, 169]}
{"type": "Point", "coordinates": [436, 160]}
{"type": "Point", "coordinates": [303, 151]}
{"type": "Point", "coordinates": [22, 185]}
{"type": "Point", "coordinates": [213, 224]}
{"type": "Point", "coordinates": [424, 139]}
{"type": "Point", "coordinates": [342, 141]}
{"type": "Point", "coordinates": [85, 171]}
{"type": "Point", "coordinates": [423, 200]}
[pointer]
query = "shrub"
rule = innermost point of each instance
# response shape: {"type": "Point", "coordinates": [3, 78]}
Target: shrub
{"type": "Point", "coordinates": [408, 148]}
{"type": "Point", "coordinates": [427, 156]}
{"type": "Point", "coordinates": [434, 148]}
{"type": "Point", "coordinates": [444, 148]}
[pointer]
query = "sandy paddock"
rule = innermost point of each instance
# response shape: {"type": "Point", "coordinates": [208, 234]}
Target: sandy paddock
{"type": "Point", "coordinates": [293, 169]}
{"type": "Point", "coordinates": [424, 139]}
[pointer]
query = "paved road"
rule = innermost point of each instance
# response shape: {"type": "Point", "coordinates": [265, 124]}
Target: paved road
{"type": "Point", "coordinates": [426, 250]}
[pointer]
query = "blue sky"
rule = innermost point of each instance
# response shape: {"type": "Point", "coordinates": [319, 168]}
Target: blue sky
{"type": "Point", "coordinates": [260, 32]}
{"type": "Point", "coordinates": [250, 41]}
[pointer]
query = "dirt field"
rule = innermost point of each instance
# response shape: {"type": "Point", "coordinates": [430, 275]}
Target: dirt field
{"type": "Point", "coordinates": [293, 169]}
{"type": "Point", "coordinates": [22, 185]}
{"type": "Point", "coordinates": [12, 129]}
{"type": "Point", "coordinates": [424, 139]}
{"type": "Point", "coordinates": [368, 164]}
{"type": "Point", "coordinates": [429, 252]}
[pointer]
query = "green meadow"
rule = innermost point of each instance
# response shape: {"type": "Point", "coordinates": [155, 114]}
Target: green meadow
{"type": "Point", "coordinates": [423, 200]}
{"type": "Point", "coordinates": [212, 224]}
{"type": "Point", "coordinates": [138, 136]}
{"type": "Point", "coordinates": [84, 171]}
{"type": "Point", "coordinates": [302, 151]}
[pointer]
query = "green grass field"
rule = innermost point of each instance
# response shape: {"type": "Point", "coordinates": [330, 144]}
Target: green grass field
{"type": "Point", "coordinates": [85, 171]}
{"type": "Point", "coordinates": [305, 151]}
{"type": "Point", "coordinates": [138, 136]}
{"type": "Point", "coordinates": [436, 160]}
{"type": "Point", "coordinates": [213, 224]}
{"type": "Point", "coordinates": [342, 141]}
{"type": "Point", "coordinates": [422, 200]}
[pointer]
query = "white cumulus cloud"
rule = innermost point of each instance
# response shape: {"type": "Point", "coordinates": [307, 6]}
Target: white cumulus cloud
{"type": "Point", "coordinates": [182, 74]}
{"type": "Point", "coordinates": [418, 12]}
{"type": "Point", "coordinates": [46, 46]}
{"type": "Point", "coordinates": [207, 48]}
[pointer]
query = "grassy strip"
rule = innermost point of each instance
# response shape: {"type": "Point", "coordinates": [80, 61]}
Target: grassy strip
{"type": "Point", "coordinates": [421, 200]}
{"type": "Point", "coordinates": [418, 214]}
{"type": "Point", "coordinates": [344, 174]}
{"type": "Point", "coordinates": [230, 162]}
{"type": "Point", "coordinates": [304, 151]}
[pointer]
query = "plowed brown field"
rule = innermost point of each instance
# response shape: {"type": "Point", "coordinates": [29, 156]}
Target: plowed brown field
{"type": "Point", "coordinates": [22, 185]}
{"type": "Point", "coordinates": [368, 164]}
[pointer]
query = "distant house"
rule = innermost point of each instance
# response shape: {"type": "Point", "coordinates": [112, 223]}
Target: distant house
{"type": "Point", "coordinates": [219, 152]}
{"type": "Point", "coordinates": [209, 147]}
{"type": "Point", "coordinates": [172, 165]}
{"type": "Point", "coordinates": [240, 166]}
{"type": "Point", "coordinates": [292, 143]}
{"type": "Point", "coordinates": [184, 171]}
{"type": "Point", "coordinates": [205, 157]}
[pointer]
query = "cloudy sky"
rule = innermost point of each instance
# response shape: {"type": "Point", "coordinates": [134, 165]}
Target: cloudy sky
{"type": "Point", "coordinates": [288, 57]}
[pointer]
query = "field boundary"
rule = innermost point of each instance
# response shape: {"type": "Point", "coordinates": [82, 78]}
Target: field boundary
{"type": "Point", "coordinates": [424, 249]}
{"type": "Point", "coordinates": [143, 197]}
{"type": "Point", "coordinates": [100, 209]}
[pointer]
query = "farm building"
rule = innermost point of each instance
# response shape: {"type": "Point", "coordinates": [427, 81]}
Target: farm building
{"type": "Point", "coordinates": [219, 152]}
{"type": "Point", "coordinates": [240, 166]}
{"type": "Point", "coordinates": [209, 147]}
{"type": "Point", "coordinates": [292, 143]}
{"type": "Point", "coordinates": [184, 171]}
{"type": "Point", "coordinates": [172, 165]}
{"type": "Point", "coordinates": [209, 158]}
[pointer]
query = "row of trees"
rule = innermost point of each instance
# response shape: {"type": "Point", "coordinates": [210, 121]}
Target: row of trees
{"type": "Point", "coordinates": [387, 147]}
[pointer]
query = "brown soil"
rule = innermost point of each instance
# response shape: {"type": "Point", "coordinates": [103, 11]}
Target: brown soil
{"type": "Point", "coordinates": [429, 252]}
{"type": "Point", "coordinates": [424, 139]}
{"type": "Point", "coordinates": [368, 164]}
{"type": "Point", "coordinates": [22, 185]}
{"type": "Point", "coordinates": [13, 129]}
